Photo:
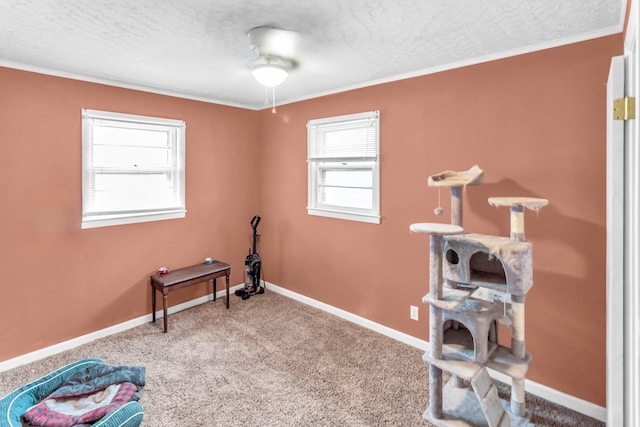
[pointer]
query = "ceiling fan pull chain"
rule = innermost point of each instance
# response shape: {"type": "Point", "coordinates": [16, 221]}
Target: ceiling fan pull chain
{"type": "Point", "coordinates": [273, 99]}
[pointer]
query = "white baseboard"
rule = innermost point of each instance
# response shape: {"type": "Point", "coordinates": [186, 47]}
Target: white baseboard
{"type": "Point", "coordinates": [548, 393]}
{"type": "Point", "coordinates": [540, 390]}
{"type": "Point", "coordinates": [84, 339]}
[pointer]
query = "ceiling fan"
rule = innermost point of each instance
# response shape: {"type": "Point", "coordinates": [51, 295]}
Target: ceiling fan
{"type": "Point", "coordinates": [275, 48]}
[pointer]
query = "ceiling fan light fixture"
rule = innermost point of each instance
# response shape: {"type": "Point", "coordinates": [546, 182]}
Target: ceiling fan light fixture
{"type": "Point", "coordinates": [269, 75]}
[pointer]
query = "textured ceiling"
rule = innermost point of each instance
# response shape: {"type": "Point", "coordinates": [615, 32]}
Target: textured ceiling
{"type": "Point", "coordinates": [199, 49]}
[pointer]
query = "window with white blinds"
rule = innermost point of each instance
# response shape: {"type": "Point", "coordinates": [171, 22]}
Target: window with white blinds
{"type": "Point", "coordinates": [344, 171]}
{"type": "Point", "coordinates": [133, 168]}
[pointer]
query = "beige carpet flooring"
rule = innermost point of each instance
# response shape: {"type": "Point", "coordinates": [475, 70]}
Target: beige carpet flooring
{"type": "Point", "coordinates": [271, 361]}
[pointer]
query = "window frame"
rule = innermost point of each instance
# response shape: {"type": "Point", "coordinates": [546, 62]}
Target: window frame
{"type": "Point", "coordinates": [175, 130]}
{"type": "Point", "coordinates": [369, 161]}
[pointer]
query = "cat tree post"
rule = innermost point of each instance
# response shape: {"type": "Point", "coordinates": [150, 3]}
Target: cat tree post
{"type": "Point", "coordinates": [517, 223]}
{"type": "Point", "coordinates": [435, 231]}
{"type": "Point", "coordinates": [456, 205]}
{"type": "Point", "coordinates": [435, 331]}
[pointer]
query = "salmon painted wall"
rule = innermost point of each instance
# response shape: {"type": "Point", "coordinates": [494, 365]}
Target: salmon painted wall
{"type": "Point", "coordinates": [536, 124]}
{"type": "Point", "coordinates": [58, 281]}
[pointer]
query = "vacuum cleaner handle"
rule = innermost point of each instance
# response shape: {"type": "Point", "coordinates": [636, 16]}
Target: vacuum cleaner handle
{"type": "Point", "coordinates": [254, 222]}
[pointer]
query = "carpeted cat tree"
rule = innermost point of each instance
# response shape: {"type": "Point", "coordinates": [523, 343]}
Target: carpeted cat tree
{"type": "Point", "coordinates": [476, 282]}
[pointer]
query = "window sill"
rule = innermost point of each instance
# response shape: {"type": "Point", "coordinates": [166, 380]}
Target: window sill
{"type": "Point", "coordinates": [106, 221]}
{"type": "Point", "coordinates": [370, 218]}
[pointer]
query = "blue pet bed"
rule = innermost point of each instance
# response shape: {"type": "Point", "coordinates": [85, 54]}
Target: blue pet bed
{"type": "Point", "coordinates": [18, 402]}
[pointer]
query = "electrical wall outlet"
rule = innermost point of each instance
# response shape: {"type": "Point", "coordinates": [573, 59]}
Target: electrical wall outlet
{"type": "Point", "coordinates": [413, 312]}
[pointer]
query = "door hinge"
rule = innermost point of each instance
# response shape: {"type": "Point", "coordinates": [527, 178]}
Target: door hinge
{"type": "Point", "coordinates": [624, 108]}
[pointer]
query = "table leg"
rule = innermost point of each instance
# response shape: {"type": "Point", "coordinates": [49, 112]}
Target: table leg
{"type": "Point", "coordinates": [164, 307]}
{"type": "Point", "coordinates": [153, 304]}
{"type": "Point", "coordinates": [227, 282]}
{"type": "Point", "coordinates": [215, 288]}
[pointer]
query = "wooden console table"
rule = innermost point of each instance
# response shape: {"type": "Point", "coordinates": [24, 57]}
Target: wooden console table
{"type": "Point", "coordinates": [187, 276]}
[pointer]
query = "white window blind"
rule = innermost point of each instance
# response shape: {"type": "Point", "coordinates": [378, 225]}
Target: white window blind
{"type": "Point", "coordinates": [342, 155]}
{"type": "Point", "coordinates": [346, 138]}
{"type": "Point", "coordinates": [133, 168]}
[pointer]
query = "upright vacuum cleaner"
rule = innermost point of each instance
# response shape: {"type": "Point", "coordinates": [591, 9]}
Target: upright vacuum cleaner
{"type": "Point", "coordinates": [253, 267]}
